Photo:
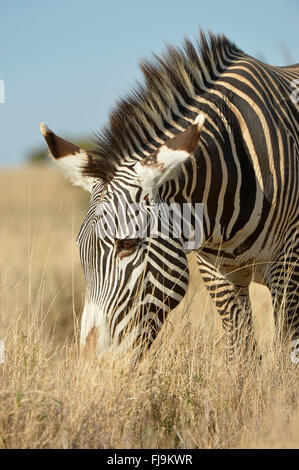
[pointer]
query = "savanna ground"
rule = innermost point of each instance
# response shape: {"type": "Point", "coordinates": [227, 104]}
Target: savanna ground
{"type": "Point", "coordinates": [180, 396]}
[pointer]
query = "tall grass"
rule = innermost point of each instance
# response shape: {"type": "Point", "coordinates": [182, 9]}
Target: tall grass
{"type": "Point", "coordinates": [181, 395]}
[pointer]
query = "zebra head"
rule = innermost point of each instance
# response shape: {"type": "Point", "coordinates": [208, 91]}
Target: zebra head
{"type": "Point", "coordinates": [135, 274]}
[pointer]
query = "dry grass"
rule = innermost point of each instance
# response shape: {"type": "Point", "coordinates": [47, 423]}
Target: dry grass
{"type": "Point", "coordinates": [180, 396]}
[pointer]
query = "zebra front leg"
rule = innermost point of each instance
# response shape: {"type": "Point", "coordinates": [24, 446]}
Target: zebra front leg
{"type": "Point", "coordinates": [282, 279]}
{"type": "Point", "coordinates": [233, 305]}
{"type": "Point", "coordinates": [236, 314]}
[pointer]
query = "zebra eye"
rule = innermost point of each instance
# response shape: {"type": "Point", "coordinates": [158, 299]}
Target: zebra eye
{"type": "Point", "coordinates": [127, 243]}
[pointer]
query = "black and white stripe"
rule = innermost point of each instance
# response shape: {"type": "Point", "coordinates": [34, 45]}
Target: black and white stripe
{"type": "Point", "coordinates": [245, 171]}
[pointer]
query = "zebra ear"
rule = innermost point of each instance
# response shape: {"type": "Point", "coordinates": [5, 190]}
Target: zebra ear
{"type": "Point", "coordinates": [164, 164]}
{"type": "Point", "coordinates": [71, 159]}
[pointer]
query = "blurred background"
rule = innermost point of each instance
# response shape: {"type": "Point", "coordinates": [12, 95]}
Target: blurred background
{"type": "Point", "coordinates": [65, 62]}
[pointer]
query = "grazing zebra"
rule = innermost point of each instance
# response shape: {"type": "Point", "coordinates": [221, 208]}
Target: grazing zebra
{"type": "Point", "coordinates": [210, 125]}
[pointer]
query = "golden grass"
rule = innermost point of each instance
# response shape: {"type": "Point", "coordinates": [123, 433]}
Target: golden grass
{"type": "Point", "coordinates": [181, 395]}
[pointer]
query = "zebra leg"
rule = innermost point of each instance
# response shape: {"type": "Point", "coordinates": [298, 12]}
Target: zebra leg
{"type": "Point", "coordinates": [282, 279]}
{"type": "Point", "coordinates": [233, 305]}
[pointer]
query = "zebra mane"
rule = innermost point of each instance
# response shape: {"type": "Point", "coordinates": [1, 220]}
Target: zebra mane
{"type": "Point", "coordinates": [159, 107]}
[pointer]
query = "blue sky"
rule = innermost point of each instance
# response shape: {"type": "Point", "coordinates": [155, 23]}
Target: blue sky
{"type": "Point", "coordinates": [65, 62]}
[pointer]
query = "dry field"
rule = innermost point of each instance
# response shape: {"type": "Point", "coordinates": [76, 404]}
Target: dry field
{"type": "Point", "coordinates": [180, 396]}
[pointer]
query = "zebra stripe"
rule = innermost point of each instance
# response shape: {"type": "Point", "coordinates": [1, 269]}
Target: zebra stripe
{"type": "Point", "coordinates": [244, 169]}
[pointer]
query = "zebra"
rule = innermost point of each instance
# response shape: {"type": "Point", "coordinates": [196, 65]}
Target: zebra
{"type": "Point", "coordinates": [209, 124]}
